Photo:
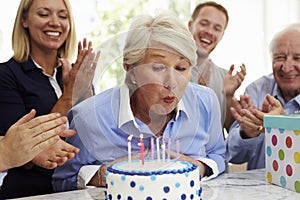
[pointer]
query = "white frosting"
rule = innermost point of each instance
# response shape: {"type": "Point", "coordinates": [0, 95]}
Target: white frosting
{"type": "Point", "coordinates": [149, 166]}
{"type": "Point", "coordinates": [153, 180]}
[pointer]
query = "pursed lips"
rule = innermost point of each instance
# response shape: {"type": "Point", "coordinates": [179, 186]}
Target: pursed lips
{"type": "Point", "coordinates": [169, 99]}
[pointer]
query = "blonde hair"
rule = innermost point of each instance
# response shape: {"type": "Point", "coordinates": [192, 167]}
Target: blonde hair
{"type": "Point", "coordinates": [21, 37]}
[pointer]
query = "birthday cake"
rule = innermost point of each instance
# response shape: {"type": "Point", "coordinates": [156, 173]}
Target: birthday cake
{"type": "Point", "coordinates": [153, 180]}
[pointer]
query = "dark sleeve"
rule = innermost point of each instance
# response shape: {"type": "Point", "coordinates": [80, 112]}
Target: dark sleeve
{"type": "Point", "coordinates": [11, 103]}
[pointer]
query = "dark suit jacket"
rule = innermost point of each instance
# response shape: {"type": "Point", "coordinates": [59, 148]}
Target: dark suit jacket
{"type": "Point", "coordinates": [23, 87]}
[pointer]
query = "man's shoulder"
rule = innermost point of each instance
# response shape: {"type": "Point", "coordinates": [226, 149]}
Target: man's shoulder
{"type": "Point", "coordinates": [219, 70]}
{"type": "Point", "coordinates": [266, 79]}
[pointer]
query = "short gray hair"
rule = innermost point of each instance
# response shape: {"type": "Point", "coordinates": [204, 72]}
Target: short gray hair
{"type": "Point", "coordinates": [293, 28]}
{"type": "Point", "coordinates": [165, 29]}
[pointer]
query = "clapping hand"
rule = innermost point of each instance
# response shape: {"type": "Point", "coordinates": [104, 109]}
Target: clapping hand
{"type": "Point", "coordinates": [30, 136]}
{"type": "Point", "coordinates": [78, 79]}
{"type": "Point", "coordinates": [248, 117]}
{"type": "Point", "coordinates": [233, 82]}
{"type": "Point", "coordinates": [56, 155]}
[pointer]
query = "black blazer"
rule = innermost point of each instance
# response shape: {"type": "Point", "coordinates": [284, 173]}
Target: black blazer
{"type": "Point", "coordinates": [23, 87]}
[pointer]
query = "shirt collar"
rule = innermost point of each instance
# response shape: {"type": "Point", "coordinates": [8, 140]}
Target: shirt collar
{"type": "Point", "coordinates": [126, 114]}
{"type": "Point", "coordinates": [40, 67]}
{"type": "Point", "coordinates": [277, 94]}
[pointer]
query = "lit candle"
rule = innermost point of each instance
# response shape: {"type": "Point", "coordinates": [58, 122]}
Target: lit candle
{"type": "Point", "coordinates": [177, 149]}
{"type": "Point", "coordinates": [163, 149]}
{"type": "Point", "coordinates": [169, 148]}
{"type": "Point", "coordinates": [152, 148]}
{"type": "Point", "coordinates": [129, 147]}
{"type": "Point", "coordinates": [142, 149]}
{"type": "Point", "coordinates": [157, 149]}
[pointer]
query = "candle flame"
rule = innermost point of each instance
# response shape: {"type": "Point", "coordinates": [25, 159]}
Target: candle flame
{"type": "Point", "coordinates": [130, 137]}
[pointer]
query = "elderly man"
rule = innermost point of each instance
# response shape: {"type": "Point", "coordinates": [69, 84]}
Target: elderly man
{"type": "Point", "coordinates": [245, 142]}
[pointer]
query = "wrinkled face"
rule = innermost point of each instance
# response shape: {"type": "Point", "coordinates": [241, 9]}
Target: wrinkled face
{"type": "Point", "coordinates": [286, 64]}
{"type": "Point", "coordinates": [48, 24]}
{"type": "Point", "coordinates": [208, 28]}
{"type": "Point", "coordinates": [161, 77]}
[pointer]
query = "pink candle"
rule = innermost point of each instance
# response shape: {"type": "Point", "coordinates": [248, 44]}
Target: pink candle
{"type": "Point", "coordinates": [142, 149]}
{"type": "Point", "coordinates": [152, 148]}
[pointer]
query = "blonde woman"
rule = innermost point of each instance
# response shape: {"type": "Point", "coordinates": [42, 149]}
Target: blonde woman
{"type": "Point", "coordinates": [39, 76]}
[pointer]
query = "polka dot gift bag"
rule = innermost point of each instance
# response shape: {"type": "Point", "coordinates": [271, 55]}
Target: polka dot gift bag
{"type": "Point", "coordinates": [282, 135]}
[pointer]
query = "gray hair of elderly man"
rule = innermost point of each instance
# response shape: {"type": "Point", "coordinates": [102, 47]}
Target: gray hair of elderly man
{"type": "Point", "coordinates": [287, 31]}
{"type": "Point", "coordinates": [166, 29]}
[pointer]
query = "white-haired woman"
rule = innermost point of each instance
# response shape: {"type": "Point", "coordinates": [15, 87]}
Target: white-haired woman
{"type": "Point", "coordinates": [156, 100]}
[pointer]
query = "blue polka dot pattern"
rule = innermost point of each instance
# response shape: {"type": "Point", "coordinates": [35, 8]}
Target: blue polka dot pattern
{"type": "Point", "coordinates": [123, 178]}
{"type": "Point", "coordinates": [153, 177]}
{"type": "Point", "coordinates": [283, 181]}
{"type": "Point", "coordinates": [185, 184]}
{"type": "Point", "coordinates": [192, 183]}
{"type": "Point", "coordinates": [281, 130]}
{"type": "Point", "coordinates": [269, 151]}
{"type": "Point", "coordinates": [166, 189]}
{"type": "Point", "coordinates": [132, 184]}
{"type": "Point", "coordinates": [141, 188]}
{"type": "Point", "coordinates": [112, 182]}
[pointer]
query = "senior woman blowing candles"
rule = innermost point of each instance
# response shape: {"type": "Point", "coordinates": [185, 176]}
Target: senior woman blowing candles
{"type": "Point", "coordinates": [157, 101]}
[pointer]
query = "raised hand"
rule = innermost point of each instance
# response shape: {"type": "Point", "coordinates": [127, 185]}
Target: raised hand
{"type": "Point", "coordinates": [83, 88]}
{"type": "Point", "coordinates": [247, 115]}
{"type": "Point", "coordinates": [78, 79]}
{"type": "Point", "coordinates": [233, 82]}
{"type": "Point", "coordinates": [272, 106]}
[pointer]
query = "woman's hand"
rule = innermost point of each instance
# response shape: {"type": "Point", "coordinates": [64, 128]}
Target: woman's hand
{"type": "Point", "coordinates": [183, 157]}
{"type": "Point", "coordinates": [78, 79]}
{"type": "Point", "coordinates": [56, 155]}
{"type": "Point", "coordinates": [98, 179]}
{"type": "Point", "coordinates": [30, 136]}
